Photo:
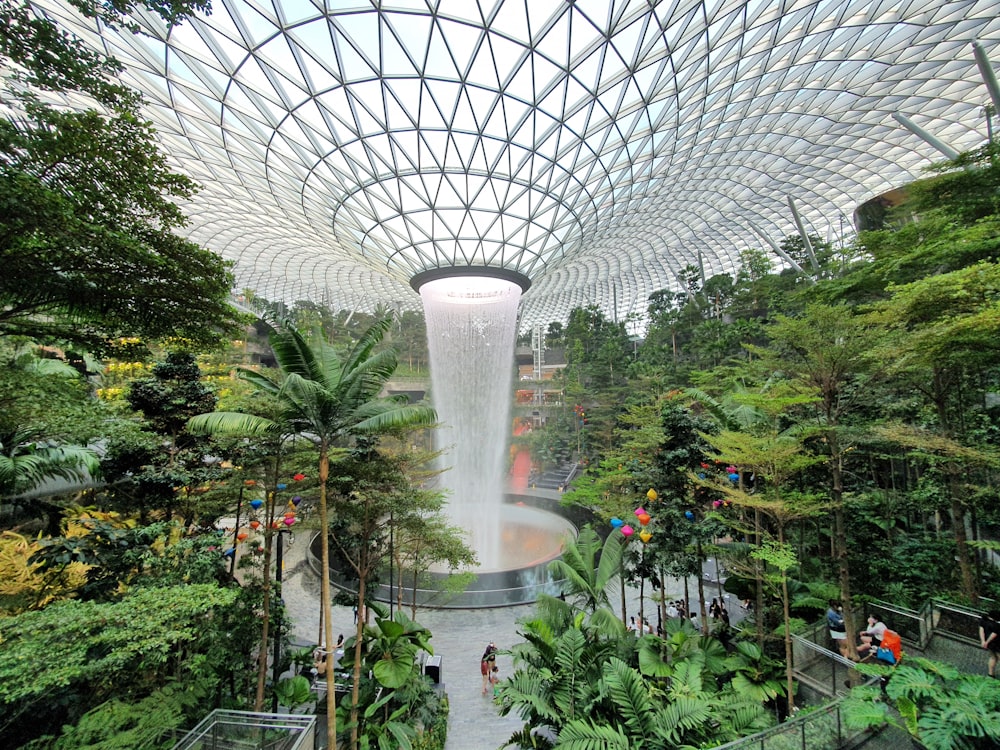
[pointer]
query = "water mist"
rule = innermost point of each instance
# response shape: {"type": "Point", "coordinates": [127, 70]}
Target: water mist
{"type": "Point", "coordinates": [471, 327]}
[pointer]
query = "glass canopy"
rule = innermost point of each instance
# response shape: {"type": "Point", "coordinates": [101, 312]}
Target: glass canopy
{"type": "Point", "coordinates": [598, 147]}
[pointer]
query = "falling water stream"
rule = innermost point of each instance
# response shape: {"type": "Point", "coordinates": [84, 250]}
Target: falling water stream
{"type": "Point", "coordinates": [471, 325]}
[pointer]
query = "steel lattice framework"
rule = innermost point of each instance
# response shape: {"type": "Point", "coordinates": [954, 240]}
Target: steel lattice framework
{"type": "Point", "coordinates": [596, 146]}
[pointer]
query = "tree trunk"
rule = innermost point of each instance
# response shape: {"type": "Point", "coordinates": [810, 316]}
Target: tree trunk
{"type": "Point", "coordinates": [258, 704]}
{"type": "Point", "coordinates": [326, 603]}
{"type": "Point", "coordinates": [840, 539]}
{"type": "Point", "coordinates": [621, 580]}
{"type": "Point", "coordinates": [969, 588]}
{"type": "Point", "coordinates": [359, 632]}
{"type": "Point", "coordinates": [701, 592]}
{"type": "Point", "coordinates": [758, 575]}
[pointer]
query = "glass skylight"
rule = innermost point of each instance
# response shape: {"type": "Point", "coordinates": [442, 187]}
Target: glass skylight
{"type": "Point", "coordinates": [596, 146]}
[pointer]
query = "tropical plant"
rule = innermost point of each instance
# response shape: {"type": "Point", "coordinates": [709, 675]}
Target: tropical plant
{"type": "Point", "coordinates": [327, 397]}
{"type": "Point", "coordinates": [936, 704]}
{"type": "Point", "coordinates": [396, 702]}
{"type": "Point", "coordinates": [293, 692]}
{"type": "Point", "coordinates": [589, 569]}
{"type": "Point", "coordinates": [28, 460]}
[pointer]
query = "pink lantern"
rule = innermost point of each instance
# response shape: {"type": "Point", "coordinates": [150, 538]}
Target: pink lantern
{"type": "Point", "coordinates": [639, 511]}
{"type": "Point", "coordinates": [627, 531]}
{"type": "Point", "coordinates": [289, 521]}
{"type": "Point", "coordinates": [716, 503]}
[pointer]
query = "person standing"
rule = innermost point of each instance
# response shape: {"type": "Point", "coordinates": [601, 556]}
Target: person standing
{"type": "Point", "coordinates": [838, 630]}
{"type": "Point", "coordinates": [989, 639]}
{"type": "Point", "coordinates": [487, 663]}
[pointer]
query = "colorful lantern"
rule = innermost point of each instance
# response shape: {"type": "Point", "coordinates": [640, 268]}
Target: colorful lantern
{"type": "Point", "coordinates": [229, 552]}
{"type": "Point", "coordinates": [689, 515]}
{"type": "Point", "coordinates": [645, 536]}
{"type": "Point", "coordinates": [282, 486]}
{"type": "Point", "coordinates": [289, 520]}
{"type": "Point", "coordinates": [716, 503]}
{"type": "Point", "coordinates": [255, 504]}
{"type": "Point", "coordinates": [299, 477]}
{"type": "Point", "coordinates": [639, 511]}
{"type": "Point", "coordinates": [644, 519]}
{"type": "Point", "coordinates": [290, 514]}
{"type": "Point", "coordinates": [250, 482]}
{"type": "Point", "coordinates": [651, 494]}
{"type": "Point", "coordinates": [296, 500]}
{"type": "Point", "coordinates": [731, 469]}
{"type": "Point", "coordinates": [242, 535]}
{"type": "Point", "coordinates": [617, 523]}
{"type": "Point", "coordinates": [734, 477]}
{"type": "Point", "coordinates": [627, 531]}
{"type": "Point", "coordinates": [255, 525]}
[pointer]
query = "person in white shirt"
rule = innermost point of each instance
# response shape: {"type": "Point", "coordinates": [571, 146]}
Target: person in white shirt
{"type": "Point", "coordinates": [871, 637]}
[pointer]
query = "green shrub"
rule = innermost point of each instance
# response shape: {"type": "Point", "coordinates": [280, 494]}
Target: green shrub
{"type": "Point", "coordinates": [434, 736]}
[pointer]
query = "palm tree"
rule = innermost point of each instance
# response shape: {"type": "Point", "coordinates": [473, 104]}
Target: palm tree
{"type": "Point", "coordinates": [588, 569]}
{"type": "Point", "coordinates": [28, 461]}
{"type": "Point", "coordinates": [327, 398]}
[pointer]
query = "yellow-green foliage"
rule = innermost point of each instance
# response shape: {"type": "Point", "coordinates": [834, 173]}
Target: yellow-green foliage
{"type": "Point", "coordinates": [22, 586]}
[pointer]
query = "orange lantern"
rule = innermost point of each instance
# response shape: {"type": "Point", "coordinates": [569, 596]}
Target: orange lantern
{"type": "Point", "coordinates": [242, 535]}
{"type": "Point", "coordinates": [255, 525]}
{"type": "Point", "coordinates": [644, 518]}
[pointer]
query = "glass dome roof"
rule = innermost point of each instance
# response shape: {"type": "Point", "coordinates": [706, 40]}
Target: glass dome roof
{"type": "Point", "coordinates": [596, 146]}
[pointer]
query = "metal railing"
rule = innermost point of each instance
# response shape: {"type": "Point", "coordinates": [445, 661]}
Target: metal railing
{"type": "Point", "coordinates": [243, 730]}
{"type": "Point", "coordinates": [913, 626]}
{"type": "Point", "coordinates": [825, 672]}
{"type": "Point", "coordinates": [822, 728]}
{"type": "Point", "coordinates": [956, 621]}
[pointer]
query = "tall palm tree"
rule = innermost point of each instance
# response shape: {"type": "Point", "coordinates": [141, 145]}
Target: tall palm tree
{"type": "Point", "coordinates": [327, 398]}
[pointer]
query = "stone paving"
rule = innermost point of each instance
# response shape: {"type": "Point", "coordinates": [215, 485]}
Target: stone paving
{"type": "Point", "coordinates": [459, 637]}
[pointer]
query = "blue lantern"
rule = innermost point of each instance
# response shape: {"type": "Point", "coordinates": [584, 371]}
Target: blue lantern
{"type": "Point", "coordinates": [282, 486]}
{"type": "Point", "coordinates": [689, 515]}
{"type": "Point", "coordinates": [734, 477]}
{"type": "Point", "coordinates": [255, 504]}
{"type": "Point", "coordinates": [617, 523]}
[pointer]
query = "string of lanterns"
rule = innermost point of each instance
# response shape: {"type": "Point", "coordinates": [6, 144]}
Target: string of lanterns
{"type": "Point", "coordinates": [641, 516]}
{"type": "Point", "coordinates": [287, 521]}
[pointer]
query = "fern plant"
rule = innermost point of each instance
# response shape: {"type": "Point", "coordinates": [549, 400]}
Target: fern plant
{"type": "Point", "coordinates": [934, 703]}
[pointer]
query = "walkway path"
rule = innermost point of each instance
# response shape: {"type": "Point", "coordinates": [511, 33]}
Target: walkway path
{"type": "Point", "coordinates": [459, 637]}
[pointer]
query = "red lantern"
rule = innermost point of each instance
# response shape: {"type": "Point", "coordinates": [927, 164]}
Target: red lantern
{"type": "Point", "coordinates": [242, 535]}
{"type": "Point", "coordinates": [250, 482]}
{"type": "Point", "coordinates": [255, 525]}
{"type": "Point", "coordinates": [299, 477]}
